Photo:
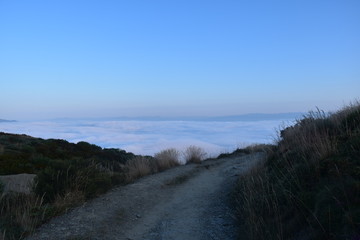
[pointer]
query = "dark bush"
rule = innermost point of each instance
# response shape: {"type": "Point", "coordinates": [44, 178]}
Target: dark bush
{"type": "Point", "coordinates": [98, 183]}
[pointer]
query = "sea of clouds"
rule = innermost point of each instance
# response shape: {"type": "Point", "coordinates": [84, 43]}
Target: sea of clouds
{"type": "Point", "coordinates": [148, 137]}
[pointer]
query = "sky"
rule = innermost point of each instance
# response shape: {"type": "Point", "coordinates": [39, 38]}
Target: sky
{"type": "Point", "coordinates": [87, 58]}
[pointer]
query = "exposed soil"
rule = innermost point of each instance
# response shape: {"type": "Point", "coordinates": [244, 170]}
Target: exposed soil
{"type": "Point", "coordinates": [186, 202]}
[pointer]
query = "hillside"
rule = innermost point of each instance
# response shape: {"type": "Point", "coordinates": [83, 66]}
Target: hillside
{"type": "Point", "coordinates": [67, 175]}
{"type": "Point", "coordinates": [22, 153]}
{"type": "Point", "coordinates": [309, 185]}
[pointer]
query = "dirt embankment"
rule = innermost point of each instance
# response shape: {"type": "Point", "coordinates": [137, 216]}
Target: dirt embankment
{"type": "Point", "coordinates": [187, 202]}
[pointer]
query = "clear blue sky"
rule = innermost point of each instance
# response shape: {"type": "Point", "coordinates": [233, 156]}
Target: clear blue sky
{"type": "Point", "coordinates": [84, 58]}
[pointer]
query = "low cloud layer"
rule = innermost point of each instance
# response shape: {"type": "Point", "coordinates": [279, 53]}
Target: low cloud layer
{"type": "Point", "coordinates": [149, 137]}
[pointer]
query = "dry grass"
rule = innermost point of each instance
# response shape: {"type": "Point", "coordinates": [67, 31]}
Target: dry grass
{"type": "Point", "coordinates": [23, 211]}
{"type": "Point", "coordinates": [194, 154]}
{"type": "Point", "coordinates": [259, 197]}
{"type": "Point", "coordinates": [309, 184]}
{"type": "Point", "coordinates": [167, 159]}
{"type": "Point", "coordinates": [67, 201]}
{"type": "Point", "coordinates": [258, 147]}
{"type": "Point", "coordinates": [143, 166]}
{"type": "Point", "coordinates": [137, 168]}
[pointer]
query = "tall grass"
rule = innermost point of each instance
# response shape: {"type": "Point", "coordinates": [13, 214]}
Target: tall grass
{"type": "Point", "coordinates": [167, 158]}
{"type": "Point", "coordinates": [138, 167]}
{"type": "Point", "coordinates": [20, 214]}
{"type": "Point", "coordinates": [194, 154]}
{"type": "Point", "coordinates": [142, 166]}
{"type": "Point", "coordinates": [309, 186]}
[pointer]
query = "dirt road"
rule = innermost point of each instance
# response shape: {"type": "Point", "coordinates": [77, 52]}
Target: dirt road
{"type": "Point", "coordinates": [187, 202]}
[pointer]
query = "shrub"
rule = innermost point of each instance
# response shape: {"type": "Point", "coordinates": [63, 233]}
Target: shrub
{"type": "Point", "coordinates": [194, 154]}
{"type": "Point", "coordinates": [167, 159]}
{"type": "Point", "coordinates": [118, 178]}
{"type": "Point", "coordinates": [52, 181]}
{"type": "Point", "coordinates": [97, 183]}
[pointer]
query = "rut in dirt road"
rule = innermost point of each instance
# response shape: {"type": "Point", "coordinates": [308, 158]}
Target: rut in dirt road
{"type": "Point", "coordinates": [187, 202]}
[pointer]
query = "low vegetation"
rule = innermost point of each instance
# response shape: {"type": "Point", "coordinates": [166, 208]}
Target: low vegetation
{"type": "Point", "coordinates": [194, 154]}
{"type": "Point", "coordinates": [67, 175]}
{"type": "Point", "coordinates": [309, 185]}
{"type": "Point", "coordinates": [247, 150]}
{"type": "Point", "coordinates": [307, 188]}
{"type": "Point", "coordinates": [142, 166]}
{"type": "Point", "coordinates": [167, 159]}
{"type": "Point", "coordinates": [138, 168]}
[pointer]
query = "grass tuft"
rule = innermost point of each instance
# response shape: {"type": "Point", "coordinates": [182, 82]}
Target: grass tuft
{"type": "Point", "coordinates": [137, 168]}
{"type": "Point", "coordinates": [167, 159]}
{"type": "Point", "coordinates": [194, 154]}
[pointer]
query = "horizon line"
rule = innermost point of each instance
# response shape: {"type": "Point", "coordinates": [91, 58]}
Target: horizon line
{"type": "Point", "coordinates": [233, 117]}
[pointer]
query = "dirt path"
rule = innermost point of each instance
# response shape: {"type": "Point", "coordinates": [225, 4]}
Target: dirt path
{"type": "Point", "coordinates": [187, 202]}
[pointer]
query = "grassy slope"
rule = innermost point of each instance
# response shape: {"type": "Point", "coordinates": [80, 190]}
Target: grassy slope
{"type": "Point", "coordinates": [67, 175]}
{"type": "Point", "coordinates": [309, 186]}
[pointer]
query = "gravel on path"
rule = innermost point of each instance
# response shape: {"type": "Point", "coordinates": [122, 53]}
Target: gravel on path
{"type": "Point", "coordinates": [186, 202]}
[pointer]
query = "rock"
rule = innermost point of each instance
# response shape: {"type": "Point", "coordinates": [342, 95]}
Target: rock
{"type": "Point", "coordinates": [19, 183]}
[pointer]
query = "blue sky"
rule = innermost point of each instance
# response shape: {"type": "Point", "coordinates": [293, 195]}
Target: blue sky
{"type": "Point", "coordinates": [176, 58]}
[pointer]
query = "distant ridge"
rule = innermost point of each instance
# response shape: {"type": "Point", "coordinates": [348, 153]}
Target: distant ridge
{"type": "Point", "coordinates": [3, 120]}
{"type": "Point", "coordinates": [259, 117]}
{"type": "Point", "coordinates": [232, 118]}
